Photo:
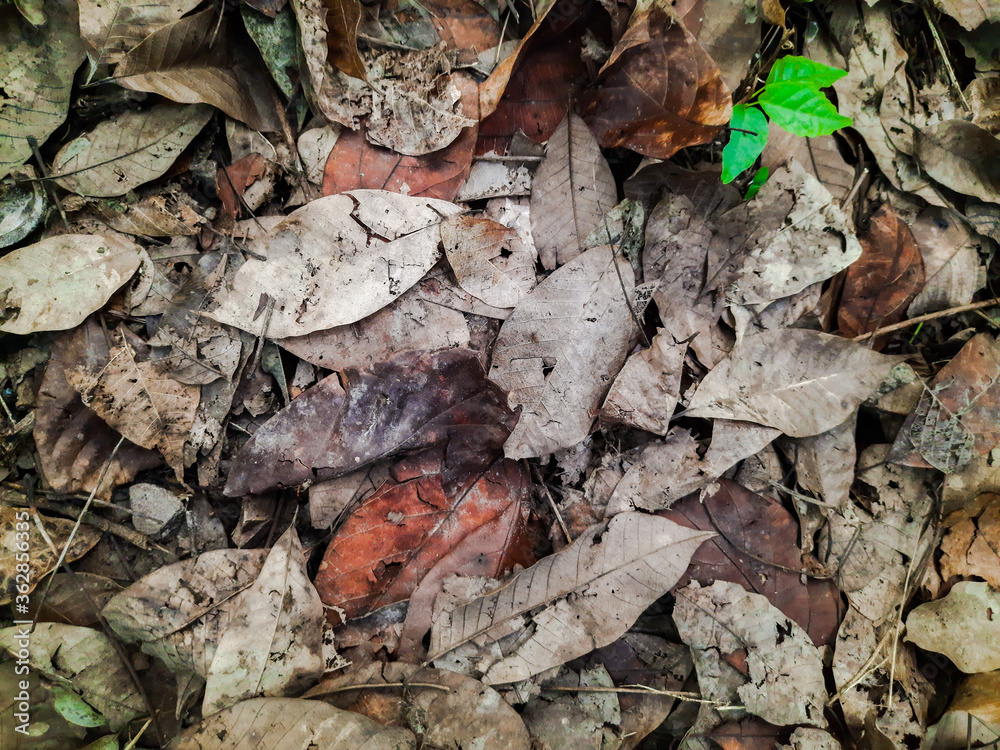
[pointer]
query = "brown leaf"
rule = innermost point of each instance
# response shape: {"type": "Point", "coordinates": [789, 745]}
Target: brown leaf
{"type": "Point", "coordinates": [490, 260]}
{"type": "Point", "coordinates": [342, 20]}
{"type": "Point", "coordinates": [75, 599]}
{"type": "Point", "coordinates": [232, 181]}
{"type": "Point", "coordinates": [961, 156]}
{"type": "Point", "coordinates": [395, 538]}
{"type": "Point", "coordinates": [660, 91]}
{"type": "Point", "coordinates": [971, 545]}
{"type": "Point", "coordinates": [570, 193]}
{"type": "Point", "coordinates": [187, 61]}
{"type": "Point", "coordinates": [414, 400]}
{"type": "Point", "coordinates": [757, 547]}
{"type": "Point", "coordinates": [111, 29]}
{"type": "Point", "coordinates": [149, 409]}
{"type": "Point", "coordinates": [74, 443]}
{"type": "Point", "coordinates": [879, 286]}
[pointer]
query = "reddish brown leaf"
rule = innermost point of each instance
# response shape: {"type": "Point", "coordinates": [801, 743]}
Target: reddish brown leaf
{"type": "Point", "coordinates": [464, 26]}
{"type": "Point", "coordinates": [413, 401]}
{"type": "Point", "coordinates": [401, 532]}
{"type": "Point", "coordinates": [660, 90]}
{"type": "Point", "coordinates": [756, 545]}
{"type": "Point", "coordinates": [232, 181]}
{"type": "Point", "coordinates": [342, 19]}
{"type": "Point", "coordinates": [355, 163]}
{"type": "Point", "coordinates": [749, 734]}
{"type": "Point", "coordinates": [879, 286]}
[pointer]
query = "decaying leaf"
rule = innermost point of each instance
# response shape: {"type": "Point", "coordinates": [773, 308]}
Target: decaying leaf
{"type": "Point", "coordinates": [490, 261]}
{"type": "Point", "coordinates": [786, 683]}
{"type": "Point", "coordinates": [273, 644]}
{"type": "Point", "coordinates": [412, 401]}
{"type": "Point", "coordinates": [660, 91]}
{"type": "Point", "coordinates": [880, 285]}
{"type": "Point", "coordinates": [570, 193]}
{"type": "Point", "coordinates": [801, 382]}
{"type": "Point", "coordinates": [36, 67]}
{"type": "Point", "coordinates": [56, 283]}
{"type": "Point", "coordinates": [364, 249]}
{"type": "Point", "coordinates": [25, 530]}
{"type": "Point", "coordinates": [963, 626]}
{"type": "Point", "coordinates": [464, 715]}
{"type": "Point", "coordinates": [583, 597]}
{"type": "Point", "coordinates": [559, 349]}
{"type": "Point", "coordinates": [824, 463]}
{"type": "Point", "coordinates": [291, 724]}
{"type": "Point", "coordinates": [151, 410]}
{"type": "Point", "coordinates": [110, 28]}
{"type": "Point", "coordinates": [186, 62]}
{"type": "Point", "coordinates": [84, 661]}
{"type": "Point", "coordinates": [384, 549]}
{"type": "Point", "coordinates": [971, 546]}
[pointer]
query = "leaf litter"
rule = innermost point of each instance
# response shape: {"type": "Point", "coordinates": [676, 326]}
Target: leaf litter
{"type": "Point", "coordinates": [395, 427]}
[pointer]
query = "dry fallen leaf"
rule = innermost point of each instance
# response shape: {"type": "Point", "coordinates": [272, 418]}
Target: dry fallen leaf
{"type": "Point", "coordinates": [951, 261]}
{"type": "Point", "coordinates": [363, 249]}
{"type": "Point", "coordinates": [491, 262]}
{"type": "Point", "coordinates": [570, 193]}
{"type": "Point", "coordinates": [586, 596]}
{"type": "Point", "coordinates": [54, 284]}
{"type": "Point", "coordinates": [801, 382]}
{"type": "Point", "coordinates": [961, 156]}
{"type": "Point", "coordinates": [559, 349]}
{"type": "Point", "coordinates": [110, 29]}
{"type": "Point", "coordinates": [962, 626]}
{"type": "Point", "coordinates": [971, 545]}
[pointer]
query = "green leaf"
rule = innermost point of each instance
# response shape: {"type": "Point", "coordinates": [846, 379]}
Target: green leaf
{"type": "Point", "coordinates": [743, 148]}
{"type": "Point", "coordinates": [805, 71]}
{"type": "Point", "coordinates": [757, 182]}
{"type": "Point", "coordinates": [800, 110]}
{"type": "Point", "coordinates": [76, 710]}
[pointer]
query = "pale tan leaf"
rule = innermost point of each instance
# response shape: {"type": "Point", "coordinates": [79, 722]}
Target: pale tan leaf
{"type": "Point", "coordinates": [963, 626]}
{"type": "Point", "coordinates": [951, 261]}
{"type": "Point", "coordinates": [127, 151]}
{"type": "Point", "coordinates": [182, 624]}
{"type": "Point", "coordinates": [189, 61]}
{"type": "Point", "coordinates": [83, 660]}
{"type": "Point", "coordinates": [586, 596]}
{"type": "Point", "coordinates": [151, 410]}
{"type": "Point", "coordinates": [110, 28]}
{"type": "Point", "coordinates": [291, 724]}
{"type": "Point", "coordinates": [56, 283]}
{"type": "Point", "coordinates": [559, 349]}
{"type": "Point", "coordinates": [646, 390]}
{"type": "Point", "coordinates": [970, 13]}
{"type": "Point", "coordinates": [570, 193]}
{"type": "Point", "coordinates": [824, 463]}
{"type": "Point", "coordinates": [335, 261]}
{"type": "Point", "coordinates": [786, 683]}
{"type": "Point", "coordinates": [274, 642]}
{"type": "Point", "coordinates": [36, 67]}
{"type": "Point", "coordinates": [801, 382]}
{"type": "Point", "coordinates": [490, 261]}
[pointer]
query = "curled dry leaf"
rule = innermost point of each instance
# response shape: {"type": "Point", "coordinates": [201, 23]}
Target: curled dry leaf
{"type": "Point", "coordinates": [467, 715]}
{"type": "Point", "coordinates": [756, 547]}
{"type": "Point", "coordinates": [570, 193]}
{"type": "Point", "coordinates": [362, 249]}
{"type": "Point", "coordinates": [491, 262]}
{"type": "Point", "coordinates": [182, 624]}
{"type": "Point", "coordinates": [84, 661]}
{"type": "Point", "coordinates": [785, 670]}
{"type": "Point", "coordinates": [43, 554]}
{"type": "Point", "coordinates": [413, 401]}
{"type": "Point", "coordinates": [151, 410]}
{"type": "Point", "coordinates": [36, 67]}
{"type": "Point", "coordinates": [971, 546]}
{"type": "Point", "coordinates": [880, 285]}
{"type": "Point", "coordinates": [559, 349]}
{"type": "Point", "coordinates": [56, 283]}
{"type": "Point", "coordinates": [385, 547]}
{"type": "Point", "coordinates": [660, 91]}
{"type": "Point", "coordinates": [74, 443]}
{"type": "Point", "coordinates": [800, 382]}
{"type": "Point", "coordinates": [186, 61]}
{"type": "Point", "coordinates": [110, 29]}
{"type": "Point", "coordinates": [130, 150]}
{"type": "Point", "coordinates": [273, 644]}
{"type": "Point", "coordinates": [963, 626]}
{"type": "Point", "coordinates": [291, 724]}
{"type": "Point", "coordinates": [580, 598]}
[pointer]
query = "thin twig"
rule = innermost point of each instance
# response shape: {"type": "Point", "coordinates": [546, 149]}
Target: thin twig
{"type": "Point", "coordinates": [552, 503]}
{"type": "Point", "coordinates": [929, 316]}
{"type": "Point", "coordinates": [944, 56]}
{"type": "Point", "coordinates": [645, 690]}
{"type": "Point", "coordinates": [380, 685]}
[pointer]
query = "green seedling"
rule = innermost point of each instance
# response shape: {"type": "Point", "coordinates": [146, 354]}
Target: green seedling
{"type": "Point", "coordinates": [791, 98]}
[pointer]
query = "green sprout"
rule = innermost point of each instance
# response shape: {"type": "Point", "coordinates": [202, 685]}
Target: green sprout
{"type": "Point", "coordinates": [791, 97]}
